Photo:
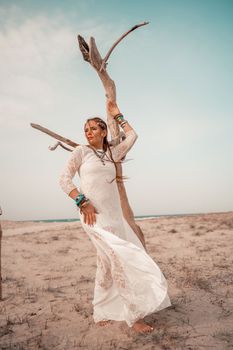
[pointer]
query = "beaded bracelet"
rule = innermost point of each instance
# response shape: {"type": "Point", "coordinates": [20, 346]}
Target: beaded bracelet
{"type": "Point", "coordinates": [119, 117]}
{"type": "Point", "coordinates": [79, 199]}
{"type": "Point", "coordinates": [123, 123]}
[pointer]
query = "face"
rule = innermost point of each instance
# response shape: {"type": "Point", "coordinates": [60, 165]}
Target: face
{"type": "Point", "coordinates": [94, 134]}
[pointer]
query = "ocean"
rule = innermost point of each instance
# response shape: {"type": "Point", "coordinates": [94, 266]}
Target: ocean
{"type": "Point", "coordinates": [137, 217]}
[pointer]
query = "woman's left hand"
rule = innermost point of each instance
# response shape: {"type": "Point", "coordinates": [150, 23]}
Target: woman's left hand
{"type": "Point", "coordinates": [112, 108]}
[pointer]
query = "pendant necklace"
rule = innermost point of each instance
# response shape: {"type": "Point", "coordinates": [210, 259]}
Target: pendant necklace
{"type": "Point", "coordinates": [100, 154]}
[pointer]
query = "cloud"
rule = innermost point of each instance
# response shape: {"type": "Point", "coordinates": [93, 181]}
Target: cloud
{"type": "Point", "coordinates": [31, 50]}
{"type": "Point", "coordinates": [35, 43]}
{"type": "Point", "coordinates": [34, 51]}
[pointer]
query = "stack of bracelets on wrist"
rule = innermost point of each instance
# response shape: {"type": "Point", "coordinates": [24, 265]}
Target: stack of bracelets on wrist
{"type": "Point", "coordinates": [81, 200]}
{"type": "Point", "coordinates": [120, 119]}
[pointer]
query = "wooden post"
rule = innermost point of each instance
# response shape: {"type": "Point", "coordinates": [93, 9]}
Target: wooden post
{"type": "Point", "coordinates": [0, 257]}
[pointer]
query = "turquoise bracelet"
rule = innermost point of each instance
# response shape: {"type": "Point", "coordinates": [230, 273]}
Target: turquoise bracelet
{"type": "Point", "coordinates": [118, 117]}
{"type": "Point", "coordinates": [79, 199]}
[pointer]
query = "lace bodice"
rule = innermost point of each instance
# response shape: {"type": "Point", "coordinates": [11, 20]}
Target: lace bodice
{"type": "Point", "coordinates": [83, 153]}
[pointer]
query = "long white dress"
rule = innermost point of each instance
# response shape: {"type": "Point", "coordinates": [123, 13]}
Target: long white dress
{"type": "Point", "coordinates": [129, 284]}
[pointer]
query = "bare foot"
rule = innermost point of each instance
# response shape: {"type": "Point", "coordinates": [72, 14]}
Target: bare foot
{"type": "Point", "coordinates": [141, 327]}
{"type": "Point", "coordinates": [103, 323]}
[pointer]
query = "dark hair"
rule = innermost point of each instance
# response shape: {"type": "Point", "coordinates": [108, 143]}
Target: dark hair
{"type": "Point", "coordinates": [106, 145]}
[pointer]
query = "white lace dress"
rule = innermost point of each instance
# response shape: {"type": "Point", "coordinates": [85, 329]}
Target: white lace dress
{"type": "Point", "coordinates": [129, 284]}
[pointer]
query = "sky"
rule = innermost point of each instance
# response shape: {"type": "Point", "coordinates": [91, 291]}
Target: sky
{"type": "Point", "coordinates": [174, 80]}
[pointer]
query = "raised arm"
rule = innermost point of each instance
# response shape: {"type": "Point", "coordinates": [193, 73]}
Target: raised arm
{"type": "Point", "coordinates": [120, 151]}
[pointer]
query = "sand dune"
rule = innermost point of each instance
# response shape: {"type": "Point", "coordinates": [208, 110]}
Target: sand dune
{"type": "Point", "coordinates": [48, 272]}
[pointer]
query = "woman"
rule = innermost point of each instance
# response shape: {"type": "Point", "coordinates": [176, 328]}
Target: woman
{"type": "Point", "coordinates": [128, 284]}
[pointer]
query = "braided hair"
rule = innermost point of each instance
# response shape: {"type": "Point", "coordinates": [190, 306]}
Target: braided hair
{"type": "Point", "coordinates": [106, 145]}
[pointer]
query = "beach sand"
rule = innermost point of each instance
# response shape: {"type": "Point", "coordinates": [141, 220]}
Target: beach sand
{"type": "Point", "coordinates": [48, 272]}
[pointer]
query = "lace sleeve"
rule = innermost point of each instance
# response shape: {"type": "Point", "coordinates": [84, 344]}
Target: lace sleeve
{"type": "Point", "coordinates": [72, 166]}
{"type": "Point", "coordinates": [120, 151]}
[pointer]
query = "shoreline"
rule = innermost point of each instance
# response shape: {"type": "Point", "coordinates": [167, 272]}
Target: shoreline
{"type": "Point", "coordinates": [136, 217]}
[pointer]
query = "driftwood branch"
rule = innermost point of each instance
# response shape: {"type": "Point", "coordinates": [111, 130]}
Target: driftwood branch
{"type": "Point", "coordinates": [69, 142]}
{"type": "Point", "coordinates": [84, 48]}
{"type": "Point", "coordinates": [54, 135]}
{"type": "Point", "coordinates": [52, 148]}
{"type": "Point", "coordinates": [104, 62]}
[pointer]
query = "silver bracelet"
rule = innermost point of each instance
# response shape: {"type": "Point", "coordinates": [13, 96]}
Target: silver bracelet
{"type": "Point", "coordinates": [123, 123]}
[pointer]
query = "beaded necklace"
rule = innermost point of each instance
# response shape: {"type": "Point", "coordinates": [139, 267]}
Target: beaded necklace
{"type": "Point", "coordinates": [99, 153]}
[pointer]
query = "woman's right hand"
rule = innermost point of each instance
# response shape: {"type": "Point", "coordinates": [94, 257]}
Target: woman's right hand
{"type": "Point", "coordinates": [89, 212]}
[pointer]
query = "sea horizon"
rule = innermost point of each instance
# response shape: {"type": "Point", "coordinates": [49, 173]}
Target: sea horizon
{"type": "Point", "coordinates": [136, 217]}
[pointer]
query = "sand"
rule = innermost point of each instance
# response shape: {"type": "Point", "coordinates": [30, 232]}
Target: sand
{"type": "Point", "coordinates": [48, 272]}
